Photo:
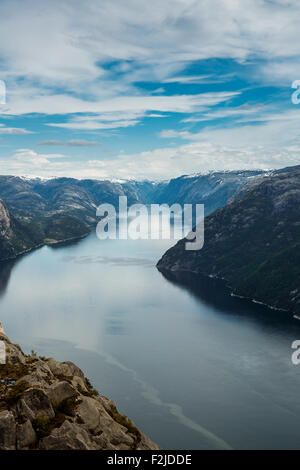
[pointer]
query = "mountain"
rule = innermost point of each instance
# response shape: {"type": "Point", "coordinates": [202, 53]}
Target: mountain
{"type": "Point", "coordinates": [15, 237]}
{"type": "Point", "coordinates": [34, 212]}
{"type": "Point", "coordinates": [253, 242]}
{"type": "Point", "coordinates": [51, 405]}
{"type": "Point", "coordinates": [50, 211]}
{"type": "Point", "coordinates": [35, 197]}
{"type": "Point", "coordinates": [213, 189]}
{"type": "Point", "coordinates": [20, 234]}
{"type": "Point", "coordinates": [79, 198]}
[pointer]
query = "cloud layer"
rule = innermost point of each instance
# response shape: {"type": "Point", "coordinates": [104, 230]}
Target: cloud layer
{"type": "Point", "coordinates": [102, 67]}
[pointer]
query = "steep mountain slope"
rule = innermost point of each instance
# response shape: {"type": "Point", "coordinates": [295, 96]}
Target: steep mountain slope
{"type": "Point", "coordinates": [253, 242]}
{"type": "Point", "coordinates": [21, 234]}
{"type": "Point", "coordinates": [15, 238]}
{"type": "Point", "coordinates": [213, 189]}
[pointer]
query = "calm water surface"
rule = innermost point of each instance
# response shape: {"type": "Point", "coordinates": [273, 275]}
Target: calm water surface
{"type": "Point", "coordinates": [193, 367]}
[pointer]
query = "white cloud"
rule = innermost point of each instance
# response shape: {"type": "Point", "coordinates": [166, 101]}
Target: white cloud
{"type": "Point", "coordinates": [68, 44]}
{"type": "Point", "coordinates": [264, 126]}
{"type": "Point", "coordinates": [89, 125]}
{"type": "Point", "coordinates": [156, 115]}
{"type": "Point", "coordinates": [28, 155]}
{"type": "Point", "coordinates": [271, 141]}
{"type": "Point", "coordinates": [13, 130]}
{"type": "Point", "coordinates": [73, 36]}
{"type": "Point", "coordinates": [161, 163]}
{"type": "Point", "coordinates": [188, 79]}
{"type": "Point", "coordinates": [65, 104]}
{"type": "Point", "coordinates": [248, 112]}
{"type": "Point", "coordinates": [64, 58]}
{"type": "Point", "coordinates": [159, 90]}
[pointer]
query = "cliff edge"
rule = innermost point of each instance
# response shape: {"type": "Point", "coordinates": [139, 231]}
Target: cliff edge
{"type": "Point", "coordinates": [51, 405]}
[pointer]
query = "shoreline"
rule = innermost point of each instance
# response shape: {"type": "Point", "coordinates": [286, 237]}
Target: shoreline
{"type": "Point", "coordinates": [229, 289]}
{"type": "Point", "coordinates": [40, 245]}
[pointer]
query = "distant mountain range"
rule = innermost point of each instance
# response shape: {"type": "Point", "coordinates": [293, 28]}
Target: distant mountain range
{"type": "Point", "coordinates": [253, 242]}
{"type": "Point", "coordinates": [213, 189]}
{"type": "Point", "coordinates": [37, 211]}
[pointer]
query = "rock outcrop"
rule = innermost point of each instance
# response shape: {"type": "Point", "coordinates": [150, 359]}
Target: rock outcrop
{"type": "Point", "coordinates": [50, 405]}
{"type": "Point", "coordinates": [4, 221]}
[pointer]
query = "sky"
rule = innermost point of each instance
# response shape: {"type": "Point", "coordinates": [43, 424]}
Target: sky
{"type": "Point", "coordinates": [148, 89]}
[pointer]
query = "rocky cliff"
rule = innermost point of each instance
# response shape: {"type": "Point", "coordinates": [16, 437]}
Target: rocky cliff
{"type": "Point", "coordinates": [253, 242]}
{"type": "Point", "coordinates": [50, 405]}
{"type": "Point", "coordinates": [13, 240]}
{"type": "Point", "coordinates": [20, 234]}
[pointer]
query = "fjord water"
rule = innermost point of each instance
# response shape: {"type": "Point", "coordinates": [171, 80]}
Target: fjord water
{"type": "Point", "coordinates": [192, 366]}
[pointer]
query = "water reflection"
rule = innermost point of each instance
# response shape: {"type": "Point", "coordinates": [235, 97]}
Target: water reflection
{"type": "Point", "coordinates": [7, 267]}
{"type": "Point", "coordinates": [113, 260]}
{"type": "Point", "coordinates": [5, 273]}
{"type": "Point", "coordinates": [214, 292]}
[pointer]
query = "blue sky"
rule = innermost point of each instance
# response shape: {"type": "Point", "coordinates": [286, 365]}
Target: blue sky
{"type": "Point", "coordinates": [142, 89]}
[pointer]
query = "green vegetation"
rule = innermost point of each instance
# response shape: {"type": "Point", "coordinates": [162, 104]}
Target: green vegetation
{"type": "Point", "coordinates": [92, 392]}
{"type": "Point", "coordinates": [11, 395]}
{"type": "Point", "coordinates": [43, 425]}
{"type": "Point", "coordinates": [127, 423]}
{"type": "Point", "coordinates": [29, 233]}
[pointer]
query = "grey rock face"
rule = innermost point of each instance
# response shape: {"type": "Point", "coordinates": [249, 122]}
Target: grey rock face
{"type": "Point", "coordinates": [69, 436]}
{"type": "Point", "coordinates": [7, 430]}
{"type": "Point", "coordinates": [38, 403]}
{"type": "Point", "coordinates": [89, 413]}
{"type": "Point", "coordinates": [4, 221]}
{"type": "Point", "coordinates": [65, 368]}
{"type": "Point", "coordinates": [26, 436]}
{"type": "Point", "coordinates": [60, 392]}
